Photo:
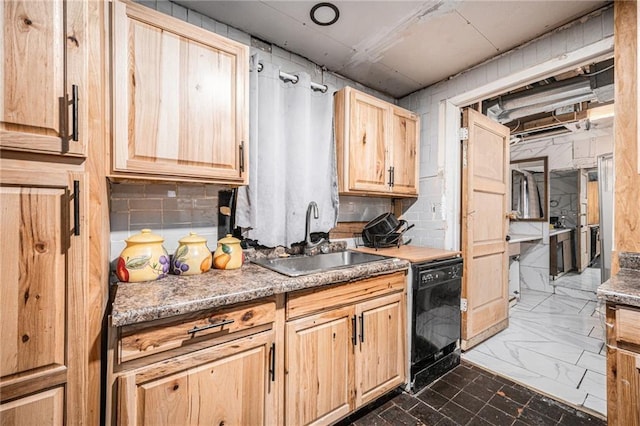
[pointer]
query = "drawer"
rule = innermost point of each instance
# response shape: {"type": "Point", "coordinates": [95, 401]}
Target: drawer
{"type": "Point", "coordinates": [140, 340]}
{"type": "Point", "coordinates": [627, 329]}
{"type": "Point", "coordinates": [306, 302]}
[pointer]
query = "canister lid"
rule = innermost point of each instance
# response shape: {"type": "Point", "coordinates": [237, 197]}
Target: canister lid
{"type": "Point", "coordinates": [145, 236]}
{"type": "Point", "coordinates": [192, 238]}
{"type": "Point", "coordinates": [228, 239]}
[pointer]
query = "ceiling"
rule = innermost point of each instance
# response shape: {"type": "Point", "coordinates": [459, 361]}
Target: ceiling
{"type": "Point", "coordinates": [398, 47]}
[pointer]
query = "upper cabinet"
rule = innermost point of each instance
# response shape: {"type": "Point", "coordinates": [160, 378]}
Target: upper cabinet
{"type": "Point", "coordinates": [180, 105]}
{"type": "Point", "coordinates": [43, 87]}
{"type": "Point", "coordinates": [377, 146]}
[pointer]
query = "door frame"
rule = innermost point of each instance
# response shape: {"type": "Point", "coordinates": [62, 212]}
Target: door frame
{"type": "Point", "coordinates": [449, 123]}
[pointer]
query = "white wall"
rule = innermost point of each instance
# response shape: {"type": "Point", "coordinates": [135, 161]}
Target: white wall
{"type": "Point", "coordinates": [436, 212]}
{"type": "Point", "coordinates": [568, 152]}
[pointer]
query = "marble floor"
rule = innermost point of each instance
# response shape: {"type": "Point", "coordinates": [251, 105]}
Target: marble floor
{"type": "Point", "coordinates": [554, 343]}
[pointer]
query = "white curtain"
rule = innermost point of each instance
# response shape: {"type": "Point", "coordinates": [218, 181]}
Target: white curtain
{"type": "Point", "coordinates": [291, 159]}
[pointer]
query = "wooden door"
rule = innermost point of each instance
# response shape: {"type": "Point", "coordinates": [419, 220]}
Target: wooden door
{"type": "Point", "coordinates": [368, 118]}
{"type": "Point", "coordinates": [181, 98]}
{"type": "Point", "coordinates": [229, 384]}
{"type": "Point", "coordinates": [319, 366]}
{"type": "Point", "coordinates": [485, 188]}
{"type": "Point", "coordinates": [405, 137]}
{"type": "Point", "coordinates": [42, 301]}
{"type": "Point", "coordinates": [380, 356]}
{"type": "Point", "coordinates": [582, 231]}
{"type": "Point", "coordinates": [42, 409]}
{"type": "Point", "coordinates": [627, 388]}
{"type": "Point", "coordinates": [44, 48]}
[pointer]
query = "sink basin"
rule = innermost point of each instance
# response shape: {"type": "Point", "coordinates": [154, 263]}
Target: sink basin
{"type": "Point", "coordinates": [303, 265]}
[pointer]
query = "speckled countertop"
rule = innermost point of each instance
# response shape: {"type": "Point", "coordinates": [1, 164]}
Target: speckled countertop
{"type": "Point", "coordinates": [624, 287]}
{"type": "Point", "coordinates": [176, 295]}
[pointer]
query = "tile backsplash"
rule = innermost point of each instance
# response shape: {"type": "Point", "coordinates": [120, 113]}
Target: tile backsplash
{"type": "Point", "coordinates": [171, 210]}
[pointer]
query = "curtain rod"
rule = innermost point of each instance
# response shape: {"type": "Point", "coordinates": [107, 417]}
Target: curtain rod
{"type": "Point", "coordinates": [294, 79]}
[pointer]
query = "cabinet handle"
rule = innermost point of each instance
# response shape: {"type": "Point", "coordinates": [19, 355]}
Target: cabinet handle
{"type": "Point", "coordinates": [362, 328]}
{"type": "Point", "coordinates": [76, 207]}
{"type": "Point", "coordinates": [74, 112]}
{"type": "Point", "coordinates": [195, 329]}
{"type": "Point", "coordinates": [393, 176]}
{"type": "Point", "coordinates": [354, 338]}
{"type": "Point", "coordinates": [242, 157]}
{"type": "Point", "coordinates": [390, 171]}
{"type": "Point", "coordinates": [272, 368]}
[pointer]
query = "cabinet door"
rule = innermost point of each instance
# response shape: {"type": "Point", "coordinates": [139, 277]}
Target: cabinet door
{"type": "Point", "coordinates": [368, 169]}
{"type": "Point", "coordinates": [44, 51]}
{"type": "Point", "coordinates": [627, 382]}
{"type": "Point", "coordinates": [42, 304]}
{"type": "Point", "coordinates": [381, 354]}
{"type": "Point", "coordinates": [227, 384]}
{"type": "Point", "coordinates": [181, 98]}
{"type": "Point", "coordinates": [42, 409]}
{"type": "Point", "coordinates": [318, 366]}
{"type": "Point", "coordinates": [405, 139]}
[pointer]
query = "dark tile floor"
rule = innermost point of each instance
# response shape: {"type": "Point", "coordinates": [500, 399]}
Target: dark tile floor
{"type": "Point", "coordinates": [469, 395]}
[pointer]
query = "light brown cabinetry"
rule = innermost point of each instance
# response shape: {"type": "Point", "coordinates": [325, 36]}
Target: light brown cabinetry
{"type": "Point", "coordinates": [43, 87]}
{"type": "Point", "coordinates": [623, 365]}
{"type": "Point", "coordinates": [345, 346]}
{"type": "Point", "coordinates": [43, 242]}
{"type": "Point", "coordinates": [377, 146]}
{"type": "Point", "coordinates": [213, 367]}
{"type": "Point", "coordinates": [180, 101]}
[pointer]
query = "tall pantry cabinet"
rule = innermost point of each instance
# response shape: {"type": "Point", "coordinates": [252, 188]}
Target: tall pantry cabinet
{"type": "Point", "coordinates": [44, 129]}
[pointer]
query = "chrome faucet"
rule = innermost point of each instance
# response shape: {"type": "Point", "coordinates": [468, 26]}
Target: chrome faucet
{"type": "Point", "coordinates": [308, 245]}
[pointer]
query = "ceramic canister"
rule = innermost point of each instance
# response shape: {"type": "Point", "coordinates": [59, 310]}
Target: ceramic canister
{"type": "Point", "coordinates": [143, 259]}
{"type": "Point", "coordinates": [192, 256]}
{"type": "Point", "coordinates": [228, 254]}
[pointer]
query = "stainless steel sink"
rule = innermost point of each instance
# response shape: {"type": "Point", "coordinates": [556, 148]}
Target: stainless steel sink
{"type": "Point", "coordinates": [303, 265]}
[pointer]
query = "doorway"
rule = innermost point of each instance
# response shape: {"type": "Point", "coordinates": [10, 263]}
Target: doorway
{"type": "Point", "coordinates": [555, 340]}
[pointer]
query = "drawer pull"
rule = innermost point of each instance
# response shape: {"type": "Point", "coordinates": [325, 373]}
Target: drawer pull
{"type": "Point", "coordinates": [196, 329]}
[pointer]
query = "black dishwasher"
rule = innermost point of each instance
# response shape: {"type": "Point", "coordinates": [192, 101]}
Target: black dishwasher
{"type": "Point", "coordinates": [435, 319]}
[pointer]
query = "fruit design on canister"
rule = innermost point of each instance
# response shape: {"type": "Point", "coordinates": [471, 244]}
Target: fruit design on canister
{"type": "Point", "coordinates": [192, 256]}
{"type": "Point", "coordinates": [144, 258]}
{"type": "Point", "coordinates": [228, 254]}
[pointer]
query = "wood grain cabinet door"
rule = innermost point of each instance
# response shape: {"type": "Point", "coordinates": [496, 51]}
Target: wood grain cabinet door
{"type": "Point", "coordinates": [44, 51]}
{"type": "Point", "coordinates": [318, 367]}
{"type": "Point", "coordinates": [41, 303]}
{"type": "Point", "coordinates": [627, 388]}
{"type": "Point", "coordinates": [380, 356]}
{"type": "Point", "coordinates": [229, 384]}
{"type": "Point", "coordinates": [42, 409]}
{"type": "Point", "coordinates": [368, 168]}
{"type": "Point", "coordinates": [180, 98]}
{"type": "Point", "coordinates": [405, 140]}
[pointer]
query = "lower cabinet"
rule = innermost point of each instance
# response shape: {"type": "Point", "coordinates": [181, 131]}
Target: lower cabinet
{"type": "Point", "coordinates": [229, 384]}
{"type": "Point", "coordinates": [44, 408]}
{"type": "Point", "coordinates": [623, 365]}
{"type": "Point", "coordinates": [212, 367]}
{"type": "Point", "coordinates": [310, 359]}
{"type": "Point", "coordinates": [627, 387]}
{"type": "Point", "coordinates": [347, 352]}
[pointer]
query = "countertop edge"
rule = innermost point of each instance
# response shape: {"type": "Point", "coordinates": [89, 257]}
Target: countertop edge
{"type": "Point", "coordinates": [622, 288]}
{"type": "Point", "coordinates": [278, 284]}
